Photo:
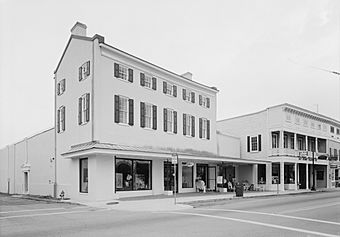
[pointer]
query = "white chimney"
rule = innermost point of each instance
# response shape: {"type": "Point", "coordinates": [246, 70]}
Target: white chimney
{"type": "Point", "coordinates": [79, 29]}
{"type": "Point", "coordinates": [187, 75]}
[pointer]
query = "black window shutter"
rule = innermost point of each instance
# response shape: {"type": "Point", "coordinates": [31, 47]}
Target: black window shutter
{"type": "Point", "coordinates": [80, 73]}
{"type": "Point", "coordinates": [165, 119]}
{"type": "Point", "coordinates": [142, 114]}
{"type": "Point", "coordinates": [87, 107]}
{"type": "Point", "coordinates": [175, 122]}
{"type": "Point", "coordinates": [88, 68]}
{"type": "Point", "coordinates": [58, 120]}
{"type": "Point", "coordinates": [63, 117]}
{"type": "Point", "coordinates": [193, 126]}
{"type": "Point", "coordinates": [64, 85]}
{"type": "Point", "coordinates": [184, 124]}
{"type": "Point", "coordinates": [154, 83]}
{"type": "Point", "coordinates": [142, 79]}
{"type": "Point", "coordinates": [116, 109]}
{"type": "Point", "coordinates": [208, 103]}
{"type": "Point", "coordinates": [184, 93]}
{"type": "Point", "coordinates": [248, 143]}
{"type": "Point", "coordinates": [164, 87]}
{"type": "Point", "coordinates": [193, 97]}
{"type": "Point", "coordinates": [208, 129]}
{"type": "Point", "coordinates": [200, 99]}
{"type": "Point", "coordinates": [79, 110]}
{"type": "Point", "coordinates": [259, 142]}
{"type": "Point", "coordinates": [154, 117]}
{"type": "Point", "coordinates": [116, 70]}
{"type": "Point", "coordinates": [58, 89]}
{"type": "Point", "coordinates": [200, 127]}
{"type": "Point", "coordinates": [174, 88]}
{"type": "Point", "coordinates": [130, 112]}
{"type": "Point", "coordinates": [130, 75]}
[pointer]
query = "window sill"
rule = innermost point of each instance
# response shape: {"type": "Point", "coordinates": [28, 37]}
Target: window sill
{"type": "Point", "coordinates": [83, 124]}
{"type": "Point", "coordinates": [124, 80]}
{"type": "Point", "coordinates": [170, 133]}
{"type": "Point", "coordinates": [124, 124]}
{"type": "Point", "coordinates": [148, 129]}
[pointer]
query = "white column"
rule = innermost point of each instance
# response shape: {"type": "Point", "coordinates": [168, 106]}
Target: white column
{"type": "Point", "coordinates": [307, 177]}
{"type": "Point", "coordinates": [268, 176]}
{"type": "Point", "coordinates": [281, 139]}
{"type": "Point", "coordinates": [282, 173]}
{"type": "Point", "coordinates": [296, 175]}
{"type": "Point", "coordinates": [316, 145]}
{"type": "Point", "coordinates": [295, 142]}
{"type": "Point", "coordinates": [306, 139]}
{"type": "Point", "coordinates": [255, 172]}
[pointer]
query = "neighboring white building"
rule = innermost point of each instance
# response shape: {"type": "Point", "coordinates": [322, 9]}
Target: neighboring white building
{"type": "Point", "coordinates": [287, 135]}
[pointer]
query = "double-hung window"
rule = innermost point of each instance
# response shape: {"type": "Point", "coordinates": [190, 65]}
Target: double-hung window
{"type": "Point", "coordinates": [123, 110]}
{"type": "Point", "coordinates": [188, 95]}
{"type": "Point", "coordinates": [148, 115]}
{"type": "Point", "coordinates": [84, 71]}
{"type": "Point", "coordinates": [123, 72]}
{"type": "Point", "coordinates": [170, 120]}
{"type": "Point", "coordinates": [148, 81]}
{"type": "Point", "coordinates": [275, 140]}
{"type": "Point", "coordinates": [84, 109]}
{"type": "Point", "coordinates": [188, 125]}
{"type": "Point", "coordinates": [254, 143]}
{"type": "Point", "coordinates": [61, 86]}
{"type": "Point", "coordinates": [204, 128]}
{"type": "Point", "coordinates": [169, 89]}
{"type": "Point", "coordinates": [204, 101]}
{"type": "Point", "coordinates": [61, 119]}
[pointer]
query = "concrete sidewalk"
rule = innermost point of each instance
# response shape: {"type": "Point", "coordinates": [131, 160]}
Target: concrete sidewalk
{"type": "Point", "coordinates": [167, 203]}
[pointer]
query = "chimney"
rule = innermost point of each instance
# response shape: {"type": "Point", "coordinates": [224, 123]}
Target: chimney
{"type": "Point", "coordinates": [79, 29]}
{"type": "Point", "coordinates": [187, 75]}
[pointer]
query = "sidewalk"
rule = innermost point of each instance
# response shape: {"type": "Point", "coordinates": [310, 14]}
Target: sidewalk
{"type": "Point", "coordinates": [167, 203]}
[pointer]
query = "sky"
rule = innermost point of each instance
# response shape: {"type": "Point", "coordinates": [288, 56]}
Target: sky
{"type": "Point", "coordinates": [258, 53]}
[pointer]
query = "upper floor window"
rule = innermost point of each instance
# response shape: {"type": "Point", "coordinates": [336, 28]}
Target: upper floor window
{"type": "Point", "coordinates": [332, 129]}
{"type": "Point", "coordinates": [204, 128]}
{"type": "Point", "coordinates": [169, 89]}
{"type": "Point", "coordinates": [84, 71]}
{"type": "Point", "coordinates": [275, 140]}
{"type": "Point", "coordinates": [300, 144]}
{"type": "Point", "coordinates": [285, 141]}
{"type": "Point", "coordinates": [148, 81]}
{"type": "Point", "coordinates": [337, 131]}
{"type": "Point", "coordinates": [148, 115]}
{"type": "Point", "coordinates": [204, 101]}
{"type": "Point", "coordinates": [61, 86]}
{"type": "Point", "coordinates": [123, 110]}
{"type": "Point", "coordinates": [61, 119]}
{"type": "Point", "coordinates": [188, 125]}
{"type": "Point", "coordinates": [84, 109]}
{"type": "Point", "coordinates": [254, 143]}
{"type": "Point", "coordinates": [123, 72]}
{"type": "Point", "coordinates": [170, 120]}
{"type": "Point", "coordinates": [188, 95]}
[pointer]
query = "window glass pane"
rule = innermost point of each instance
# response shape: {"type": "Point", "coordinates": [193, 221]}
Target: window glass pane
{"type": "Point", "coordinates": [275, 173]}
{"type": "Point", "coordinates": [289, 174]}
{"type": "Point", "coordinates": [123, 175]}
{"type": "Point", "coordinates": [123, 111]}
{"type": "Point", "coordinates": [147, 82]}
{"type": "Point", "coordinates": [261, 174]}
{"type": "Point", "coordinates": [83, 175]}
{"type": "Point", "coordinates": [142, 175]}
{"type": "Point", "coordinates": [254, 143]}
{"type": "Point", "coordinates": [187, 176]}
{"type": "Point", "coordinates": [170, 120]}
{"type": "Point", "coordinates": [148, 117]}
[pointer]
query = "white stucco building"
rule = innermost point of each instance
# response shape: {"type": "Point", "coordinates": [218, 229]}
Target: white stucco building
{"type": "Point", "coordinates": [289, 137]}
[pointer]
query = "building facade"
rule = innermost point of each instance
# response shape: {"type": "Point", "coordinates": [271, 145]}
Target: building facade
{"type": "Point", "coordinates": [293, 140]}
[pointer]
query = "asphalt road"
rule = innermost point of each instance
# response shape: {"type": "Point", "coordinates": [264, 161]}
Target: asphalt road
{"type": "Point", "coordinates": [314, 214]}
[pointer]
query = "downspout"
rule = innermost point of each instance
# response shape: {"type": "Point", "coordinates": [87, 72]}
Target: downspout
{"type": "Point", "coordinates": [55, 140]}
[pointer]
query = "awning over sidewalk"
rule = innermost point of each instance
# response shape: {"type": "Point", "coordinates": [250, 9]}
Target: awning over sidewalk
{"type": "Point", "coordinates": [97, 148]}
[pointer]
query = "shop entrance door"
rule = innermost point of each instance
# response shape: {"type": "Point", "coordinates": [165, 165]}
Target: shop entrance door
{"type": "Point", "coordinates": [25, 182]}
{"type": "Point", "coordinates": [302, 176]}
{"type": "Point", "coordinates": [212, 178]}
{"type": "Point", "coordinates": [202, 173]}
{"type": "Point", "coordinates": [169, 181]}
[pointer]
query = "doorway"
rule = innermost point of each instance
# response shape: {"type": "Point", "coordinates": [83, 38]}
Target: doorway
{"type": "Point", "coordinates": [202, 172]}
{"type": "Point", "coordinates": [212, 178]}
{"type": "Point", "coordinates": [302, 176]}
{"type": "Point", "coordinates": [169, 181]}
{"type": "Point", "coordinates": [25, 182]}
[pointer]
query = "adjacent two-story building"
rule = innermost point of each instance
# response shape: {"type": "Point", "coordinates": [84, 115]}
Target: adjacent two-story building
{"type": "Point", "coordinates": [291, 138]}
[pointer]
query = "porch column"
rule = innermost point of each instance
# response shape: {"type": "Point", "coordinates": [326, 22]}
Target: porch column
{"type": "Point", "coordinates": [282, 175]}
{"type": "Point", "coordinates": [296, 175]}
{"type": "Point", "coordinates": [281, 139]}
{"type": "Point", "coordinates": [316, 145]}
{"type": "Point", "coordinates": [306, 140]}
{"type": "Point", "coordinates": [268, 176]}
{"type": "Point", "coordinates": [255, 172]}
{"type": "Point", "coordinates": [307, 177]}
{"type": "Point", "coordinates": [295, 142]}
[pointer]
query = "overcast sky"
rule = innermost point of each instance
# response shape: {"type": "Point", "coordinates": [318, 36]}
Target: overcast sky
{"type": "Point", "coordinates": [254, 52]}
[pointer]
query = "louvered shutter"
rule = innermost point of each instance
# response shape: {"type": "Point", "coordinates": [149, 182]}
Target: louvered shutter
{"type": "Point", "coordinates": [58, 120]}
{"type": "Point", "coordinates": [154, 117]}
{"type": "Point", "coordinates": [248, 143]}
{"type": "Point", "coordinates": [184, 93]}
{"type": "Point", "coordinates": [142, 79]}
{"type": "Point", "coordinates": [164, 87]}
{"type": "Point", "coordinates": [165, 119]}
{"type": "Point", "coordinates": [208, 129]}
{"type": "Point", "coordinates": [116, 70]}
{"type": "Point", "coordinates": [184, 124]}
{"type": "Point", "coordinates": [154, 83]}
{"type": "Point", "coordinates": [259, 142]}
{"type": "Point", "coordinates": [79, 110]}
{"type": "Point", "coordinates": [88, 68]}
{"type": "Point", "coordinates": [63, 117]}
{"type": "Point", "coordinates": [58, 89]}
{"type": "Point", "coordinates": [193, 97]}
{"type": "Point", "coordinates": [116, 109]}
{"type": "Point", "coordinates": [200, 99]}
{"type": "Point", "coordinates": [174, 93]}
{"type": "Point", "coordinates": [130, 75]}
{"type": "Point", "coordinates": [208, 103]}
{"type": "Point", "coordinates": [87, 107]}
{"type": "Point", "coordinates": [64, 84]}
{"type": "Point", "coordinates": [80, 73]}
{"type": "Point", "coordinates": [175, 122]}
{"type": "Point", "coordinates": [192, 126]}
{"type": "Point", "coordinates": [200, 127]}
{"type": "Point", "coordinates": [142, 114]}
{"type": "Point", "coordinates": [130, 112]}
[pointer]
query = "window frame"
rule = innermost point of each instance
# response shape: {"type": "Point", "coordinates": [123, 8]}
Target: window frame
{"type": "Point", "coordinates": [84, 71]}
{"type": "Point", "coordinates": [121, 111]}
{"type": "Point", "coordinates": [85, 107]}
{"type": "Point", "coordinates": [170, 120]}
{"type": "Point", "coordinates": [252, 142]}
{"type": "Point", "coordinates": [204, 128]}
{"type": "Point", "coordinates": [81, 174]}
{"type": "Point", "coordinates": [188, 125]}
{"type": "Point", "coordinates": [275, 141]}
{"type": "Point", "coordinates": [146, 116]}
{"type": "Point", "coordinates": [61, 122]}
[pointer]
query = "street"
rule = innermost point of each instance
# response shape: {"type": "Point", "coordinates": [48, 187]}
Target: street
{"type": "Point", "coordinates": [312, 214]}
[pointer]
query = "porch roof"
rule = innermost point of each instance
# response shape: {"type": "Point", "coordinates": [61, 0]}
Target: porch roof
{"type": "Point", "coordinates": [95, 147]}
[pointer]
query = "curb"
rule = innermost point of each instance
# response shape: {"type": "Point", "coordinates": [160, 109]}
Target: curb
{"type": "Point", "coordinates": [49, 200]}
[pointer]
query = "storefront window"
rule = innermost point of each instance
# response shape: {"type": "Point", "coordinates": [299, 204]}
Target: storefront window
{"type": "Point", "coordinates": [289, 173]}
{"type": "Point", "coordinates": [261, 174]}
{"type": "Point", "coordinates": [187, 176]}
{"type": "Point", "coordinates": [83, 168]}
{"type": "Point", "coordinates": [133, 175]}
{"type": "Point", "coordinates": [275, 173]}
